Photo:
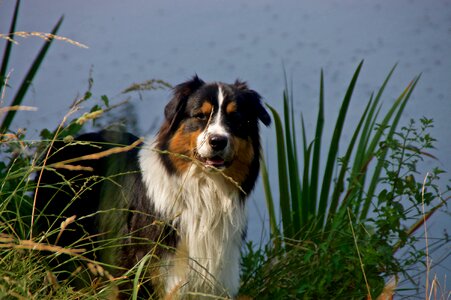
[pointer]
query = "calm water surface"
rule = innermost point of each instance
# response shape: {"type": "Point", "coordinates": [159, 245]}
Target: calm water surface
{"type": "Point", "coordinates": [133, 41]}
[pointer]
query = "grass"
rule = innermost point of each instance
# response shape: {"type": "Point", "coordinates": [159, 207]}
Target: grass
{"type": "Point", "coordinates": [330, 258]}
{"type": "Point", "coordinates": [345, 219]}
{"type": "Point", "coordinates": [342, 217]}
{"type": "Point", "coordinates": [33, 265]}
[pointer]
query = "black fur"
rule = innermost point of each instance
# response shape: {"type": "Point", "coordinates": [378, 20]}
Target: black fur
{"type": "Point", "coordinates": [114, 189]}
{"type": "Point", "coordinates": [114, 182]}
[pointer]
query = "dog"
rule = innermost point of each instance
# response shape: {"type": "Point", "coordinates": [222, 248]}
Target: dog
{"type": "Point", "coordinates": [178, 199]}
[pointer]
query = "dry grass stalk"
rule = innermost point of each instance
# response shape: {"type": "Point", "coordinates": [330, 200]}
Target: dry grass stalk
{"type": "Point", "coordinates": [5, 238]}
{"type": "Point", "coordinates": [89, 116]}
{"type": "Point", "coordinates": [92, 269]}
{"type": "Point", "coordinates": [202, 167]}
{"type": "Point", "coordinates": [428, 261]}
{"type": "Point", "coordinates": [64, 224]}
{"type": "Point", "coordinates": [98, 155]}
{"type": "Point", "coordinates": [17, 107]}
{"type": "Point", "coordinates": [360, 257]}
{"type": "Point", "coordinates": [51, 278]}
{"type": "Point", "coordinates": [43, 35]}
{"type": "Point", "coordinates": [5, 84]}
{"type": "Point", "coordinates": [31, 245]}
{"type": "Point", "coordinates": [76, 168]}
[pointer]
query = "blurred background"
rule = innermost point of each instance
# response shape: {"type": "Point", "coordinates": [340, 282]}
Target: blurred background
{"type": "Point", "coordinates": [134, 41]}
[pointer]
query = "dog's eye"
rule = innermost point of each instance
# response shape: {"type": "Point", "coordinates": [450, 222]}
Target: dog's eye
{"type": "Point", "coordinates": [201, 116]}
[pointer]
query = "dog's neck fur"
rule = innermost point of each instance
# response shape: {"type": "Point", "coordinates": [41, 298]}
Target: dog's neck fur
{"type": "Point", "coordinates": [211, 220]}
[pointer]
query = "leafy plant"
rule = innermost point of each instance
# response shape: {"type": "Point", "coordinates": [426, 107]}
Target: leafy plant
{"type": "Point", "coordinates": [350, 213]}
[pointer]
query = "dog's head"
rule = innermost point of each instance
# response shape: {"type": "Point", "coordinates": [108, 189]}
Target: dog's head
{"type": "Point", "coordinates": [215, 124]}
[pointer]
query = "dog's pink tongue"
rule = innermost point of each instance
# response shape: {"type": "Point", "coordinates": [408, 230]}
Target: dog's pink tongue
{"type": "Point", "coordinates": [215, 161]}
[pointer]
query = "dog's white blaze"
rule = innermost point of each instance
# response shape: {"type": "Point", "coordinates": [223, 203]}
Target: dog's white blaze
{"type": "Point", "coordinates": [212, 221]}
{"type": "Point", "coordinates": [215, 127]}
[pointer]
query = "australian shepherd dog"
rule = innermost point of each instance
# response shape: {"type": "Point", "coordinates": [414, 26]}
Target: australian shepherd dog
{"type": "Point", "coordinates": [178, 200]}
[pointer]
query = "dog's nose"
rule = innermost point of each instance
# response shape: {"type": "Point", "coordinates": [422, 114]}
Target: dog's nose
{"type": "Point", "coordinates": [217, 142]}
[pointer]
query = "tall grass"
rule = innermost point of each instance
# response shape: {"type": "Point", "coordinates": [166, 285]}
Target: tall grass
{"type": "Point", "coordinates": [350, 212]}
{"type": "Point", "coordinates": [342, 217]}
{"type": "Point", "coordinates": [304, 196]}
{"type": "Point", "coordinates": [30, 267]}
{"type": "Point", "coordinates": [28, 79]}
{"type": "Point", "coordinates": [34, 265]}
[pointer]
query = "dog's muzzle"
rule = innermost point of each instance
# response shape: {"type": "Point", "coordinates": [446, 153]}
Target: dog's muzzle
{"type": "Point", "coordinates": [216, 152]}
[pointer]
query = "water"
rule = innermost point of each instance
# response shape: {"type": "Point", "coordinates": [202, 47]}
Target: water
{"type": "Point", "coordinates": [220, 41]}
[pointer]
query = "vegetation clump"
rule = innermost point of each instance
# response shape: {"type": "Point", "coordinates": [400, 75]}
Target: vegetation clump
{"type": "Point", "coordinates": [344, 221]}
{"type": "Point", "coordinates": [347, 224]}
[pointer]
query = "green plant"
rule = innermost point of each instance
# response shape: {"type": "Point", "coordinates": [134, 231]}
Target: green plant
{"type": "Point", "coordinates": [31, 268]}
{"type": "Point", "coordinates": [351, 215]}
{"type": "Point", "coordinates": [23, 88]}
{"type": "Point", "coordinates": [15, 201]}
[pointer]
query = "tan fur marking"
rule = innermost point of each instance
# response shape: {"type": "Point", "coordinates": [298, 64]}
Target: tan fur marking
{"type": "Point", "coordinates": [182, 143]}
{"type": "Point", "coordinates": [206, 108]}
{"type": "Point", "coordinates": [231, 107]}
{"type": "Point", "coordinates": [244, 154]}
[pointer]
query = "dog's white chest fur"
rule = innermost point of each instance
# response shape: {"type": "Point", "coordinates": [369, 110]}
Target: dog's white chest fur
{"type": "Point", "coordinates": [211, 220]}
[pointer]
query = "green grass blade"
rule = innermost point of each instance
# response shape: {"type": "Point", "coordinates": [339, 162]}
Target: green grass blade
{"type": "Point", "coordinates": [313, 188]}
{"type": "Point", "coordinates": [284, 194]}
{"type": "Point", "coordinates": [359, 173]}
{"type": "Point", "coordinates": [339, 185]}
{"type": "Point", "coordinates": [28, 79]}
{"type": "Point", "coordinates": [9, 44]}
{"type": "Point", "coordinates": [293, 175]}
{"type": "Point", "coordinates": [137, 278]}
{"type": "Point", "coordinates": [304, 200]}
{"type": "Point", "coordinates": [291, 147]}
{"type": "Point", "coordinates": [293, 125]}
{"type": "Point", "coordinates": [361, 154]}
{"type": "Point", "coordinates": [333, 150]}
{"type": "Point", "coordinates": [309, 210]}
{"type": "Point", "coordinates": [361, 160]}
{"type": "Point", "coordinates": [269, 200]}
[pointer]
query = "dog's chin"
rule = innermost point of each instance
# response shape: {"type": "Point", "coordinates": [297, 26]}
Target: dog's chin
{"type": "Point", "coordinates": [214, 162]}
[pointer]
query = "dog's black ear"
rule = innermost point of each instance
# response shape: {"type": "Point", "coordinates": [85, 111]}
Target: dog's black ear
{"type": "Point", "coordinates": [253, 96]}
{"type": "Point", "coordinates": [180, 96]}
